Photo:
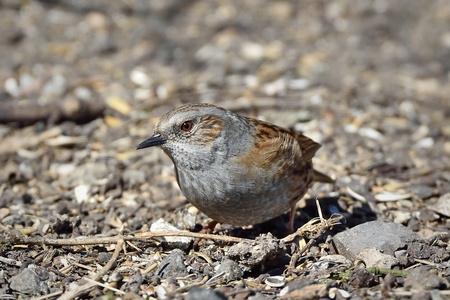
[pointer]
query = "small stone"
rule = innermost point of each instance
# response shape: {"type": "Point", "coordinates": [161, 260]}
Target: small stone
{"type": "Point", "coordinates": [205, 294]}
{"type": "Point", "coordinates": [425, 143]}
{"type": "Point", "coordinates": [26, 282]}
{"type": "Point", "coordinates": [400, 216]}
{"type": "Point", "coordinates": [422, 192]}
{"type": "Point", "coordinates": [173, 265]}
{"type": "Point", "coordinates": [55, 87]}
{"type": "Point", "coordinates": [334, 292]}
{"type": "Point", "coordinates": [373, 258]}
{"type": "Point", "coordinates": [82, 193]}
{"type": "Point", "coordinates": [181, 242]}
{"type": "Point", "coordinates": [385, 237]}
{"type": "Point", "coordinates": [362, 278]}
{"type": "Point", "coordinates": [298, 84]}
{"type": "Point", "coordinates": [337, 260]}
{"type": "Point", "coordinates": [231, 268]}
{"type": "Point", "coordinates": [422, 276]}
{"type": "Point", "coordinates": [12, 87]}
{"type": "Point", "coordinates": [275, 281]}
{"type": "Point", "coordinates": [252, 51]}
{"type": "Point", "coordinates": [370, 133]}
{"type": "Point", "coordinates": [443, 205]}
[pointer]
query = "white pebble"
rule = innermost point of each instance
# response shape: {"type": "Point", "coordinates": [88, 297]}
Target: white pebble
{"type": "Point", "coordinates": [425, 143]}
{"type": "Point", "coordinates": [140, 78]}
{"type": "Point", "coordinates": [370, 133]}
{"type": "Point", "coordinates": [12, 87]}
{"type": "Point", "coordinates": [275, 281]}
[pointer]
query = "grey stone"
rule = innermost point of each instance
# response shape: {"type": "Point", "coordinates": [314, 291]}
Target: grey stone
{"type": "Point", "coordinates": [232, 270]}
{"type": "Point", "coordinates": [443, 205]}
{"type": "Point", "coordinates": [385, 237]}
{"type": "Point", "coordinates": [26, 282]}
{"type": "Point", "coordinates": [172, 265]}
{"type": "Point", "coordinates": [205, 294]}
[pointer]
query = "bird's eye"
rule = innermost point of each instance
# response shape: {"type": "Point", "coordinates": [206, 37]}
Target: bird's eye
{"type": "Point", "coordinates": [186, 126]}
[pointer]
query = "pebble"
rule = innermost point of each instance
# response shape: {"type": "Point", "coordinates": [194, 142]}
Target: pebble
{"type": "Point", "coordinates": [83, 93]}
{"type": "Point", "coordinates": [391, 196]}
{"type": "Point", "coordinates": [422, 192]}
{"type": "Point", "coordinates": [231, 268]}
{"type": "Point", "coordinates": [374, 258]}
{"type": "Point", "coordinates": [205, 294]}
{"type": "Point", "coordinates": [55, 87]}
{"type": "Point", "coordinates": [26, 282]}
{"type": "Point", "coordinates": [181, 242]}
{"type": "Point", "coordinates": [385, 237]}
{"type": "Point", "coordinates": [334, 292]}
{"type": "Point", "coordinates": [423, 277]}
{"type": "Point", "coordinates": [252, 51]}
{"type": "Point", "coordinates": [172, 265]}
{"type": "Point", "coordinates": [12, 87]}
{"type": "Point", "coordinates": [82, 193]}
{"type": "Point", "coordinates": [370, 133]}
{"type": "Point", "coordinates": [337, 260]}
{"type": "Point", "coordinates": [425, 143]}
{"type": "Point", "coordinates": [400, 217]}
{"type": "Point", "coordinates": [62, 169]}
{"type": "Point", "coordinates": [298, 84]}
{"type": "Point", "coordinates": [275, 281]}
{"type": "Point", "coordinates": [277, 87]}
{"type": "Point", "coordinates": [443, 205]}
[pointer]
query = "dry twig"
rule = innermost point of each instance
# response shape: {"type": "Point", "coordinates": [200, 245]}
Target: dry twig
{"type": "Point", "coordinates": [144, 237]}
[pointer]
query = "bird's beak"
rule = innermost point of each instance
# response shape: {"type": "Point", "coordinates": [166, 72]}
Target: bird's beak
{"type": "Point", "coordinates": [154, 140]}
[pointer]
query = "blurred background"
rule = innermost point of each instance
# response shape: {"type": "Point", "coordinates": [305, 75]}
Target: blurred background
{"type": "Point", "coordinates": [83, 82]}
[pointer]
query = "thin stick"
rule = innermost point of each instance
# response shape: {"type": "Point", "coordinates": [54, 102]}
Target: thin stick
{"type": "Point", "coordinates": [48, 295]}
{"type": "Point", "coordinates": [141, 237]}
{"type": "Point", "coordinates": [105, 286]}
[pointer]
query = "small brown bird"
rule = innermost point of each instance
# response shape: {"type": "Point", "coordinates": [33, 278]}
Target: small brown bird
{"type": "Point", "coordinates": [235, 169]}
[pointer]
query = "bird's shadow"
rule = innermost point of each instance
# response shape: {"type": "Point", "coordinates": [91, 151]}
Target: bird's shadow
{"type": "Point", "coordinates": [329, 206]}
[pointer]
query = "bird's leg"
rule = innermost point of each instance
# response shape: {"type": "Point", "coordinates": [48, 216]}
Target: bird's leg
{"type": "Point", "coordinates": [206, 230]}
{"type": "Point", "coordinates": [290, 228]}
{"type": "Point", "coordinates": [209, 228]}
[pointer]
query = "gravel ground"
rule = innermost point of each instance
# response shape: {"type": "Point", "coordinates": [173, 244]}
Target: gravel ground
{"type": "Point", "coordinates": [83, 82]}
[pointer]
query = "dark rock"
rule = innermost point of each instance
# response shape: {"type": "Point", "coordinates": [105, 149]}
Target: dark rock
{"type": "Point", "coordinates": [232, 270]}
{"type": "Point", "coordinates": [205, 294]}
{"type": "Point", "coordinates": [104, 257]}
{"type": "Point", "coordinates": [362, 278]}
{"type": "Point", "coordinates": [63, 224]}
{"type": "Point", "coordinates": [389, 281]}
{"type": "Point", "coordinates": [385, 237]}
{"type": "Point", "coordinates": [26, 282]}
{"type": "Point", "coordinates": [172, 265]}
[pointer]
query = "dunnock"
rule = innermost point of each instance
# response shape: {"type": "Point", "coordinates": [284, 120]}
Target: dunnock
{"type": "Point", "coordinates": [235, 169]}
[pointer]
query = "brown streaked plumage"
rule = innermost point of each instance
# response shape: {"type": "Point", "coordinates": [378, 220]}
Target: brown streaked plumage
{"type": "Point", "coordinates": [235, 169]}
